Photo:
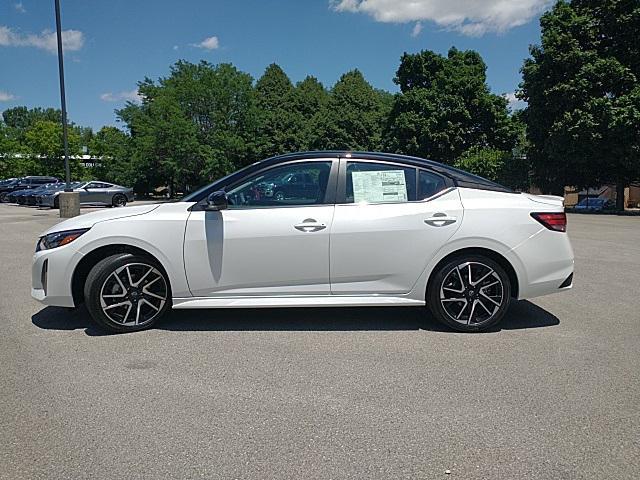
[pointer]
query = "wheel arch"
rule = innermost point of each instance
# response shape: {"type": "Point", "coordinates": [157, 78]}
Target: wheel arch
{"type": "Point", "coordinates": [89, 260]}
{"type": "Point", "coordinates": [492, 254]}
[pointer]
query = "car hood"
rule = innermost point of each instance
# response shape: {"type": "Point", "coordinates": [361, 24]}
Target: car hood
{"type": "Point", "coordinates": [88, 220]}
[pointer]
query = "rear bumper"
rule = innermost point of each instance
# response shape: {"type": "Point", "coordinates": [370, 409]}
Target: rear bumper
{"type": "Point", "coordinates": [548, 260]}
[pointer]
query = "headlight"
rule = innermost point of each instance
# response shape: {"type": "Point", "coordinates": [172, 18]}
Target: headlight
{"type": "Point", "coordinates": [57, 239]}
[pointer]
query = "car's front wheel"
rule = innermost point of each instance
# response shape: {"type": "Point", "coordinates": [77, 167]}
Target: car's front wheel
{"type": "Point", "coordinates": [4, 197]}
{"type": "Point", "coordinates": [469, 293]}
{"type": "Point", "coordinates": [126, 292]}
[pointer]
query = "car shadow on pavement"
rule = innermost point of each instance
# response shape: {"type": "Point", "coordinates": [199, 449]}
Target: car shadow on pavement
{"type": "Point", "coordinates": [521, 315]}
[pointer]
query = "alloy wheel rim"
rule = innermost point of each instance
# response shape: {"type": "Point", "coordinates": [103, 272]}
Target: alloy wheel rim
{"type": "Point", "coordinates": [120, 201]}
{"type": "Point", "coordinates": [471, 293]}
{"type": "Point", "coordinates": [134, 294]}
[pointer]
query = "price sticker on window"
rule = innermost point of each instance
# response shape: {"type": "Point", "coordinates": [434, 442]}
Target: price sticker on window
{"type": "Point", "coordinates": [379, 186]}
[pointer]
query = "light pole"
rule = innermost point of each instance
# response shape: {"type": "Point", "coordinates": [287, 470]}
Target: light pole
{"type": "Point", "coordinates": [69, 202]}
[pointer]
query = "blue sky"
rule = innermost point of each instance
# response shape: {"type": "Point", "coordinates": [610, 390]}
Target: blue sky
{"type": "Point", "coordinates": [110, 45]}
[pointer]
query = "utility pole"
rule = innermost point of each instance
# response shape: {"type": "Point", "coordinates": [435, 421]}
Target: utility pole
{"type": "Point", "coordinates": [69, 202]}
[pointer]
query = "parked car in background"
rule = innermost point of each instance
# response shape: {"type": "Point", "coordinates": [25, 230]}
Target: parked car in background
{"type": "Point", "coordinates": [291, 185]}
{"type": "Point", "coordinates": [29, 196]}
{"type": "Point", "coordinates": [20, 196]}
{"type": "Point", "coordinates": [24, 183]}
{"type": "Point", "coordinates": [93, 193]}
{"type": "Point", "coordinates": [52, 190]}
{"type": "Point", "coordinates": [594, 204]}
{"type": "Point", "coordinates": [13, 197]}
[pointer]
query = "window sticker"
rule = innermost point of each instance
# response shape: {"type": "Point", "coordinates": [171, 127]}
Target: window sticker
{"type": "Point", "coordinates": [379, 186]}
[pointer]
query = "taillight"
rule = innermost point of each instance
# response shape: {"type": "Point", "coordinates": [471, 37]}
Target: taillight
{"type": "Point", "coordinates": [553, 221]}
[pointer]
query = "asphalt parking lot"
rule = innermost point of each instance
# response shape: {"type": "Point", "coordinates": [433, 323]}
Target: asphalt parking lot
{"type": "Point", "coordinates": [328, 393]}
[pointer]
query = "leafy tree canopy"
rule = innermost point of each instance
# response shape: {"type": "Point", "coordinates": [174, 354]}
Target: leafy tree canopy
{"type": "Point", "coordinates": [445, 107]}
{"type": "Point", "coordinates": [581, 85]}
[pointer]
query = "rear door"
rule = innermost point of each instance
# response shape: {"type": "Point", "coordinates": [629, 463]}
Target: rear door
{"type": "Point", "coordinates": [390, 220]}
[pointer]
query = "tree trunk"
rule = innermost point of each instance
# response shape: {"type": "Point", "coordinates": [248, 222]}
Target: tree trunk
{"type": "Point", "coordinates": [620, 195]}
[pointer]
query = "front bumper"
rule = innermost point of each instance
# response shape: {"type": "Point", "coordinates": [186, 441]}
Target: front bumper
{"type": "Point", "coordinates": [51, 276]}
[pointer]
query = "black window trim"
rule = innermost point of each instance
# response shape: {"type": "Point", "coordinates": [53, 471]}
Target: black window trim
{"type": "Point", "coordinates": [329, 196]}
{"type": "Point", "coordinates": [341, 194]}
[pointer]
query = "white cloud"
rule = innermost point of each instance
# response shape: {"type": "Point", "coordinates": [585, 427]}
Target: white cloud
{"type": "Point", "coordinates": [473, 18]}
{"type": "Point", "coordinates": [5, 97]}
{"type": "Point", "coordinates": [209, 43]}
{"type": "Point", "coordinates": [514, 102]}
{"type": "Point", "coordinates": [417, 28]}
{"type": "Point", "coordinates": [131, 96]}
{"type": "Point", "coordinates": [72, 40]}
{"type": "Point", "coordinates": [20, 7]}
{"type": "Point", "coordinates": [176, 47]}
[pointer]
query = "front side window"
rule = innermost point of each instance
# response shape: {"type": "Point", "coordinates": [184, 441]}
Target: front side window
{"type": "Point", "coordinates": [372, 182]}
{"type": "Point", "coordinates": [302, 183]}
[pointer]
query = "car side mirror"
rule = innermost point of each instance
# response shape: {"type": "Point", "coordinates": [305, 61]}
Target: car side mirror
{"type": "Point", "coordinates": [217, 201]}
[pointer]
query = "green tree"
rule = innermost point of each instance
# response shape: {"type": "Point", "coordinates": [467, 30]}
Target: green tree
{"type": "Point", "coordinates": [112, 148]}
{"type": "Point", "coordinates": [581, 85]}
{"type": "Point", "coordinates": [497, 165]}
{"type": "Point", "coordinates": [310, 101]}
{"type": "Point", "coordinates": [21, 118]}
{"type": "Point", "coordinates": [11, 165]}
{"type": "Point", "coordinates": [197, 124]}
{"type": "Point", "coordinates": [445, 107]}
{"type": "Point", "coordinates": [280, 124]}
{"type": "Point", "coordinates": [43, 140]}
{"type": "Point", "coordinates": [354, 116]}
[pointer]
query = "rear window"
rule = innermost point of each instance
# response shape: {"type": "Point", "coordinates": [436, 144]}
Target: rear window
{"type": "Point", "coordinates": [429, 184]}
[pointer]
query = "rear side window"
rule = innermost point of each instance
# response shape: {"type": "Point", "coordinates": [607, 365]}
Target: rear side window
{"type": "Point", "coordinates": [372, 182]}
{"type": "Point", "coordinates": [429, 184]}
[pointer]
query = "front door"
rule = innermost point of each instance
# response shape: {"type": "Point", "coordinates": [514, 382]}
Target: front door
{"type": "Point", "coordinates": [391, 220]}
{"type": "Point", "coordinates": [264, 243]}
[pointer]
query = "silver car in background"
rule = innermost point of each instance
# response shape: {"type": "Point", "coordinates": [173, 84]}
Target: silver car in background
{"type": "Point", "coordinates": [92, 193]}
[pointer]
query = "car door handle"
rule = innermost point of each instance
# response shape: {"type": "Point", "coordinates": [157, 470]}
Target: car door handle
{"type": "Point", "coordinates": [310, 225]}
{"type": "Point", "coordinates": [440, 220]}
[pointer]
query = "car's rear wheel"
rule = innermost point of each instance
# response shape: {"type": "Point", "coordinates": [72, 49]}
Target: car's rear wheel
{"type": "Point", "coordinates": [126, 293]}
{"type": "Point", "coordinates": [56, 202]}
{"type": "Point", "coordinates": [119, 200]}
{"type": "Point", "coordinates": [469, 293]}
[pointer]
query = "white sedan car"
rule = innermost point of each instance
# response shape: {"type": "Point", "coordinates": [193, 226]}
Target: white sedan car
{"type": "Point", "coordinates": [314, 229]}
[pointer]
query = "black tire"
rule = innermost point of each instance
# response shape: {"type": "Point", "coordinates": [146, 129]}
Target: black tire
{"type": "Point", "coordinates": [279, 195]}
{"type": "Point", "coordinates": [447, 285]}
{"type": "Point", "coordinates": [4, 198]}
{"type": "Point", "coordinates": [119, 200]}
{"type": "Point", "coordinates": [102, 280]}
{"type": "Point", "coordinates": [56, 202]}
